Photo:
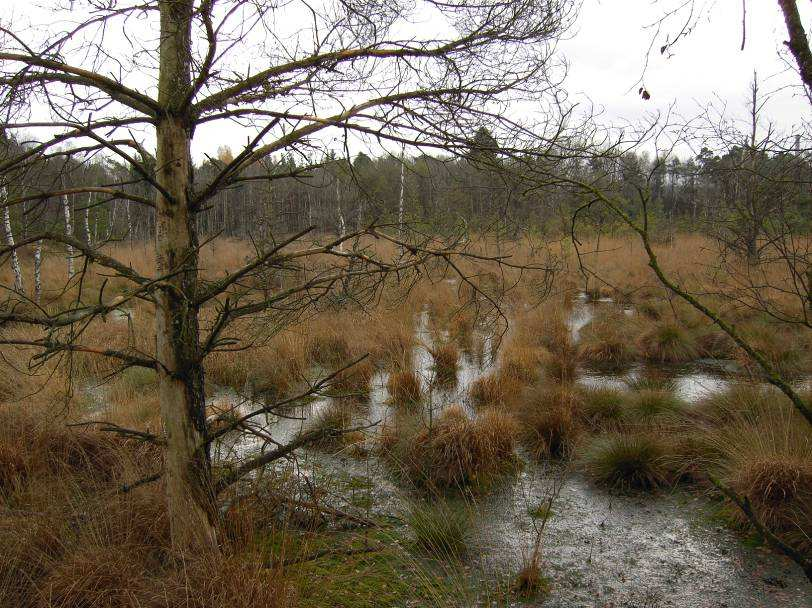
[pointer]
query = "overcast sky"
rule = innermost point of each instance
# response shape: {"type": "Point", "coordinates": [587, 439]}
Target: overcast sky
{"type": "Point", "coordinates": [607, 50]}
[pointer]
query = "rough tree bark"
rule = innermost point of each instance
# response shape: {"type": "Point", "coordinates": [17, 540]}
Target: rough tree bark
{"type": "Point", "coordinates": [190, 499]}
{"type": "Point", "coordinates": [798, 44]}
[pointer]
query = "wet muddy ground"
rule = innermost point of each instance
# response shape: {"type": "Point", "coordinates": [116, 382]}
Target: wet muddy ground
{"type": "Point", "coordinates": [600, 549]}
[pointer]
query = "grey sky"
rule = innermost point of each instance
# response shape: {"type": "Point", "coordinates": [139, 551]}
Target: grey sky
{"type": "Point", "coordinates": [607, 54]}
{"type": "Point", "coordinates": [607, 51]}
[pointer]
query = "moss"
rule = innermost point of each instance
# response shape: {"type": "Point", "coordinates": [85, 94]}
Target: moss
{"type": "Point", "coordinates": [391, 576]}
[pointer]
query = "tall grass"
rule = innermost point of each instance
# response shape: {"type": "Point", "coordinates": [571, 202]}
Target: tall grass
{"type": "Point", "coordinates": [455, 452]}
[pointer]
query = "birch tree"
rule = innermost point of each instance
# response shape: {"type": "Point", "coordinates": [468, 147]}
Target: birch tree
{"type": "Point", "coordinates": [15, 260]}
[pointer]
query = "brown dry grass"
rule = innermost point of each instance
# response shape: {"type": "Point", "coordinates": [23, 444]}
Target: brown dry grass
{"type": "Point", "coordinates": [404, 388]}
{"type": "Point", "coordinates": [549, 418]}
{"type": "Point", "coordinates": [455, 452]}
{"type": "Point", "coordinates": [446, 358]}
{"type": "Point", "coordinates": [72, 539]}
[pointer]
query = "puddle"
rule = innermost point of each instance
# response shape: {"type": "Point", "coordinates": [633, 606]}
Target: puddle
{"type": "Point", "coordinates": [601, 550]}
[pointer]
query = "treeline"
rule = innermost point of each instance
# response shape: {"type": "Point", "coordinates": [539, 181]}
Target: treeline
{"type": "Point", "coordinates": [736, 194]}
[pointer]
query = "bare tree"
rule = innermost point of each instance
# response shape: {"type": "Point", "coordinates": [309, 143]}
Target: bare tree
{"type": "Point", "coordinates": [356, 69]}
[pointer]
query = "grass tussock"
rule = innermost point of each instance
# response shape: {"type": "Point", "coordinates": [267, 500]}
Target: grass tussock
{"type": "Point", "coordinates": [354, 382]}
{"type": "Point", "coordinates": [628, 461]}
{"type": "Point", "coordinates": [667, 343]}
{"type": "Point", "coordinates": [605, 343]}
{"type": "Point", "coordinates": [759, 446]}
{"type": "Point", "coordinates": [780, 346]}
{"type": "Point", "coordinates": [405, 388]}
{"type": "Point", "coordinates": [648, 404]}
{"type": "Point", "coordinates": [490, 390]}
{"type": "Point", "coordinates": [455, 452]}
{"type": "Point", "coordinates": [329, 348]}
{"type": "Point", "coordinates": [521, 365]}
{"type": "Point", "coordinates": [530, 583]}
{"type": "Point", "coordinates": [549, 419]}
{"type": "Point", "coordinates": [331, 420]}
{"type": "Point", "coordinates": [561, 360]}
{"type": "Point", "coordinates": [446, 361]}
{"type": "Point", "coordinates": [602, 406]}
{"type": "Point", "coordinates": [441, 528]}
{"type": "Point", "coordinates": [715, 344]}
{"type": "Point", "coordinates": [273, 369]}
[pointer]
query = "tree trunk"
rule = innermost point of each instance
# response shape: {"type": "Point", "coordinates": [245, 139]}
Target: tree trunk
{"type": "Point", "coordinates": [401, 197]}
{"type": "Point", "coordinates": [192, 511]}
{"type": "Point", "coordinates": [68, 232]}
{"type": "Point", "coordinates": [88, 238]}
{"type": "Point", "coordinates": [38, 271]}
{"type": "Point", "coordinates": [15, 259]}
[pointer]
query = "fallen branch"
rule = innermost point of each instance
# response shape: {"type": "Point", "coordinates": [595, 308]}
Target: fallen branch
{"type": "Point", "coordinates": [744, 505]}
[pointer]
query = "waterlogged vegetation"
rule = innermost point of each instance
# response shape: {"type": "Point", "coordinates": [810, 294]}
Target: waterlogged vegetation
{"type": "Point", "coordinates": [568, 460]}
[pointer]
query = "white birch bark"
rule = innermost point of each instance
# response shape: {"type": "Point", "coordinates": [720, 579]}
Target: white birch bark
{"type": "Point", "coordinates": [341, 224]}
{"type": "Point", "coordinates": [68, 232]}
{"type": "Point", "coordinates": [15, 259]}
{"type": "Point", "coordinates": [88, 238]}
{"type": "Point", "coordinates": [38, 271]}
{"type": "Point", "coordinates": [129, 220]}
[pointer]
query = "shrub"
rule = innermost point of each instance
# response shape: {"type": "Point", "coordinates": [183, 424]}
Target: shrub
{"type": "Point", "coordinates": [441, 528]}
{"type": "Point", "coordinates": [668, 343]}
{"type": "Point", "coordinates": [627, 461]}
